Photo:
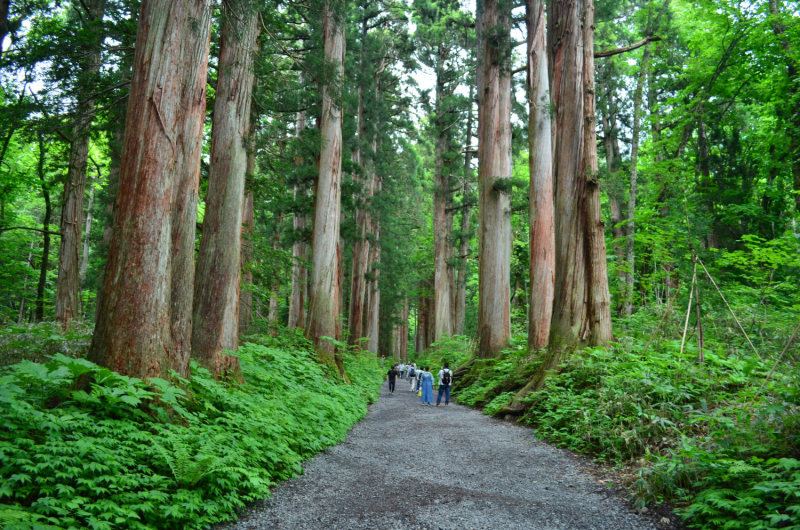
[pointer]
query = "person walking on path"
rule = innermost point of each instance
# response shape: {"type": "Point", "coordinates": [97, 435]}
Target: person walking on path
{"type": "Point", "coordinates": [391, 376]}
{"type": "Point", "coordinates": [427, 386]}
{"type": "Point", "coordinates": [445, 380]}
{"type": "Point", "coordinates": [412, 377]}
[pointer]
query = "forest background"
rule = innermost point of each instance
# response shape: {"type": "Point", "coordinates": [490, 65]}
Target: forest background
{"type": "Point", "coordinates": [696, 134]}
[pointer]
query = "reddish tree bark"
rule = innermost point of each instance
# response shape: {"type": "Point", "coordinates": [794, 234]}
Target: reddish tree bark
{"type": "Point", "coordinates": [166, 107]}
{"type": "Point", "coordinates": [322, 310]}
{"type": "Point", "coordinates": [215, 323]}
{"type": "Point", "coordinates": [581, 310]}
{"type": "Point", "coordinates": [494, 176]}
{"type": "Point", "coordinates": [68, 286]}
{"type": "Point", "coordinates": [542, 227]}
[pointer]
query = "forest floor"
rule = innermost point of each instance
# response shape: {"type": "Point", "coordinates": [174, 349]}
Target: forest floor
{"type": "Point", "coordinates": [409, 466]}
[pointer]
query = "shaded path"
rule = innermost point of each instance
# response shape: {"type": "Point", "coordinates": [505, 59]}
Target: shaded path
{"type": "Point", "coordinates": [407, 466]}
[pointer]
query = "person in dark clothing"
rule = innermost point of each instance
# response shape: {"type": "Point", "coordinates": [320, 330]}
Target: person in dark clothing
{"type": "Point", "coordinates": [391, 376]}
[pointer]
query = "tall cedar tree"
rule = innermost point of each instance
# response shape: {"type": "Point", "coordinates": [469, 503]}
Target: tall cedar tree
{"type": "Point", "coordinates": [494, 175]}
{"type": "Point", "coordinates": [142, 322]}
{"type": "Point", "coordinates": [542, 215]}
{"type": "Point", "coordinates": [68, 287]}
{"type": "Point", "coordinates": [323, 292]}
{"type": "Point", "coordinates": [581, 308]}
{"type": "Point", "coordinates": [215, 320]}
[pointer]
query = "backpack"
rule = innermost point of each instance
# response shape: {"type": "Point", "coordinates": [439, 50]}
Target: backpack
{"type": "Point", "coordinates": [446, 377]}
{"type": "Point", "coordinates": [412, 372]}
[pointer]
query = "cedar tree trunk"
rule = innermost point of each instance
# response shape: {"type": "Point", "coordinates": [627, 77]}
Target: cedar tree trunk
{"type": "Point", "coordinates": [163, 133]}
{"type": "Point", "coordinates": [542, 228]}
{"type": "Point", "coordinates": [322, 310]}
{"type": "Point", "coordinates": [494, 177]}
{"type": "Point", "coordinates": [215, 319]}
{"type": "Point", "coordinates": [68, 286]}
{"type": "Point", "coordinates": [442, 308]}
{"type": "Point", "coordinates": [581, 311]}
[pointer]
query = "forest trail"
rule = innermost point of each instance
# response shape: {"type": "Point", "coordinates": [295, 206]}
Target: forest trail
{"type": "Point", "coordinates": [409, 466]}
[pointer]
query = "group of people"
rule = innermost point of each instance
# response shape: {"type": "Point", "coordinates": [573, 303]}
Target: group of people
{"type": "Point", "coordinates": [421, 381]}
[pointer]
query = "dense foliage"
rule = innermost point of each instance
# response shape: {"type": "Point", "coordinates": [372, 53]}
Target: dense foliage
{"type": "Point", "coordinates": [122, 453]}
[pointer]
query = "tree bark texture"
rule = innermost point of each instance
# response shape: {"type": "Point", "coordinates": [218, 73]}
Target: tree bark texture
{"type": "Point", "coordinates": [542, 221]}
{"type": "Point", "coordinates": [581, 312]}
{"type": "Point", "coordinates": [494, 175]}
{"type": "Point", "coordinates": [142, 325]}
{"type": "Point", "coordinates": [322, 310]}
{"type": "Point", "coordinates": [68, 286]}
{"type": "Point", "coordinates": [442, 308]}
{"type": "Point", "coordinates": [637, 125]}
{"type": "Point", "coordinates": [215, 320]}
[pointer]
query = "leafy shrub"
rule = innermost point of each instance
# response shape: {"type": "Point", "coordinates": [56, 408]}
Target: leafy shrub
{"type": "Point", "coordinates": [37, 342]}
{"type": "Point", "coordinates": [127, 454]}
{"type": "Point", "coordinates": [455, 350]}
{"type": "Point", "coordinates": [692, 429]}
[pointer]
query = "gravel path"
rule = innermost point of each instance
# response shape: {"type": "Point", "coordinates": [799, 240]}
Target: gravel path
{"type": "Point", "coordinates": [409, 466]}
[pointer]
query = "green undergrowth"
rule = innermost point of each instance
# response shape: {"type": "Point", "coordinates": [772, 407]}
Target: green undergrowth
{"type": "Point", "coordinates": [700, 435]}
{"type": "Point", "coordinates": [454, 350]}
{"type": "Point", "coordinates": [182, 455]}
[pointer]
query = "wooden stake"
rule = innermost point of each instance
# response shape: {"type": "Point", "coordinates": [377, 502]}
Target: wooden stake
{"type": "Point", "coordinates": [729, 307]}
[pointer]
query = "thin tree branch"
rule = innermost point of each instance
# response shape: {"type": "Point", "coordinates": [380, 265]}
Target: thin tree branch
{"type": "Point", "coordinates": [624, 49]}
{"type": "Point", "coordinates": [7, 228]}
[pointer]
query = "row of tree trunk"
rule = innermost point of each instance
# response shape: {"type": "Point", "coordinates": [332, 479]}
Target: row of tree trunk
{"type": "Point", "coordinates": [569, 297]}
{"type": "Point", "coordinates": [153, 316]}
